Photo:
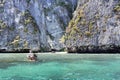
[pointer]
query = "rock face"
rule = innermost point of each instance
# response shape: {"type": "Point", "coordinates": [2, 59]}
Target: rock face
{"type": "Point", "coordinates": [39, 25]}
{"type": "Point", "coordinates": [95, 27]}
{"type": "Point", "coordinates": [34, 24]}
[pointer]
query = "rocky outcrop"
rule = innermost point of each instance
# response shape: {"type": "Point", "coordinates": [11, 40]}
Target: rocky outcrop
{"type": "Point", "coordinates": [34, 24]}
{"type": "Point", "coordinates": [40, 24]}
{"type": "Point", "coordinates": [95, 27]}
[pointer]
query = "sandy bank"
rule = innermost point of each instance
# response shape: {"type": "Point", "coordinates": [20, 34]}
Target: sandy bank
{"type": "Point", "coordinates": [10, 57]}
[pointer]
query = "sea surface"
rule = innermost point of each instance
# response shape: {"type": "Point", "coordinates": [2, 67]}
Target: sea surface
{"type": "Point", "coordinates": [93, 68]}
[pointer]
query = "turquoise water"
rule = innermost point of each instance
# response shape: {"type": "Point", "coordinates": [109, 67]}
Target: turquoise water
{"type": "Point", "coordinates": [72, 69]}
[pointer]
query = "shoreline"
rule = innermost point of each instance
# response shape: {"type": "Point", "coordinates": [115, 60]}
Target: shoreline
{"type": "Point", "coordinates": [22, 57]}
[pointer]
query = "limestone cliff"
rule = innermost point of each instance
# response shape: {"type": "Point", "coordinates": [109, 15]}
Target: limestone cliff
{"type": "Point", "coordinates": [34, 24]}
{"type": "Point", "coordinates": [95, 27]}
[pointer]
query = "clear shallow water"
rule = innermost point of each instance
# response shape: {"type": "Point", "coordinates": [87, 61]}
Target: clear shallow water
{"type": "Point", "coordinates": [73, 69]}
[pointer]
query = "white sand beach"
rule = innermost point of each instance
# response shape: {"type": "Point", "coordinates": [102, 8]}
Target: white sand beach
{"type": "Point", "coordinates": [11, 57]}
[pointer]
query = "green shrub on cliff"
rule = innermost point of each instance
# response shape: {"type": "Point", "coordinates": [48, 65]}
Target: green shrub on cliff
{"type": "Point", "coordinates": [16, 41]}
{"type": "Point", "coordinates": [117, 8]}
{"type": "Point", "coordinates": [63, 38]}
{"type": "Point", "coordinates": [2, 24]}
{"type": "Point", "coordinates": [91, 26]}
{"type": "Point", "coordinates": [25, 45]}
{"type": "Point", "coordinates": [29, 20]}
{"type": "Point", "coordinates": [73, 30]}
{"type": "Point", "coordinates": [25, 29]}
{"type": "Point", "coordinates": [87, 33]}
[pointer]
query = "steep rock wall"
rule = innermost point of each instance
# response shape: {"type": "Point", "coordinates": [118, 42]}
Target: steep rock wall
{"type": "Point", "coordinates": [34, 24]}
{"type": "Point", "coordinates": [95, 27]}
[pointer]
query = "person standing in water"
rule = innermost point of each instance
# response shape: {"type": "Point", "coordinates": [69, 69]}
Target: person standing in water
{"type": "Point", "coordinates": [31, 56]}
